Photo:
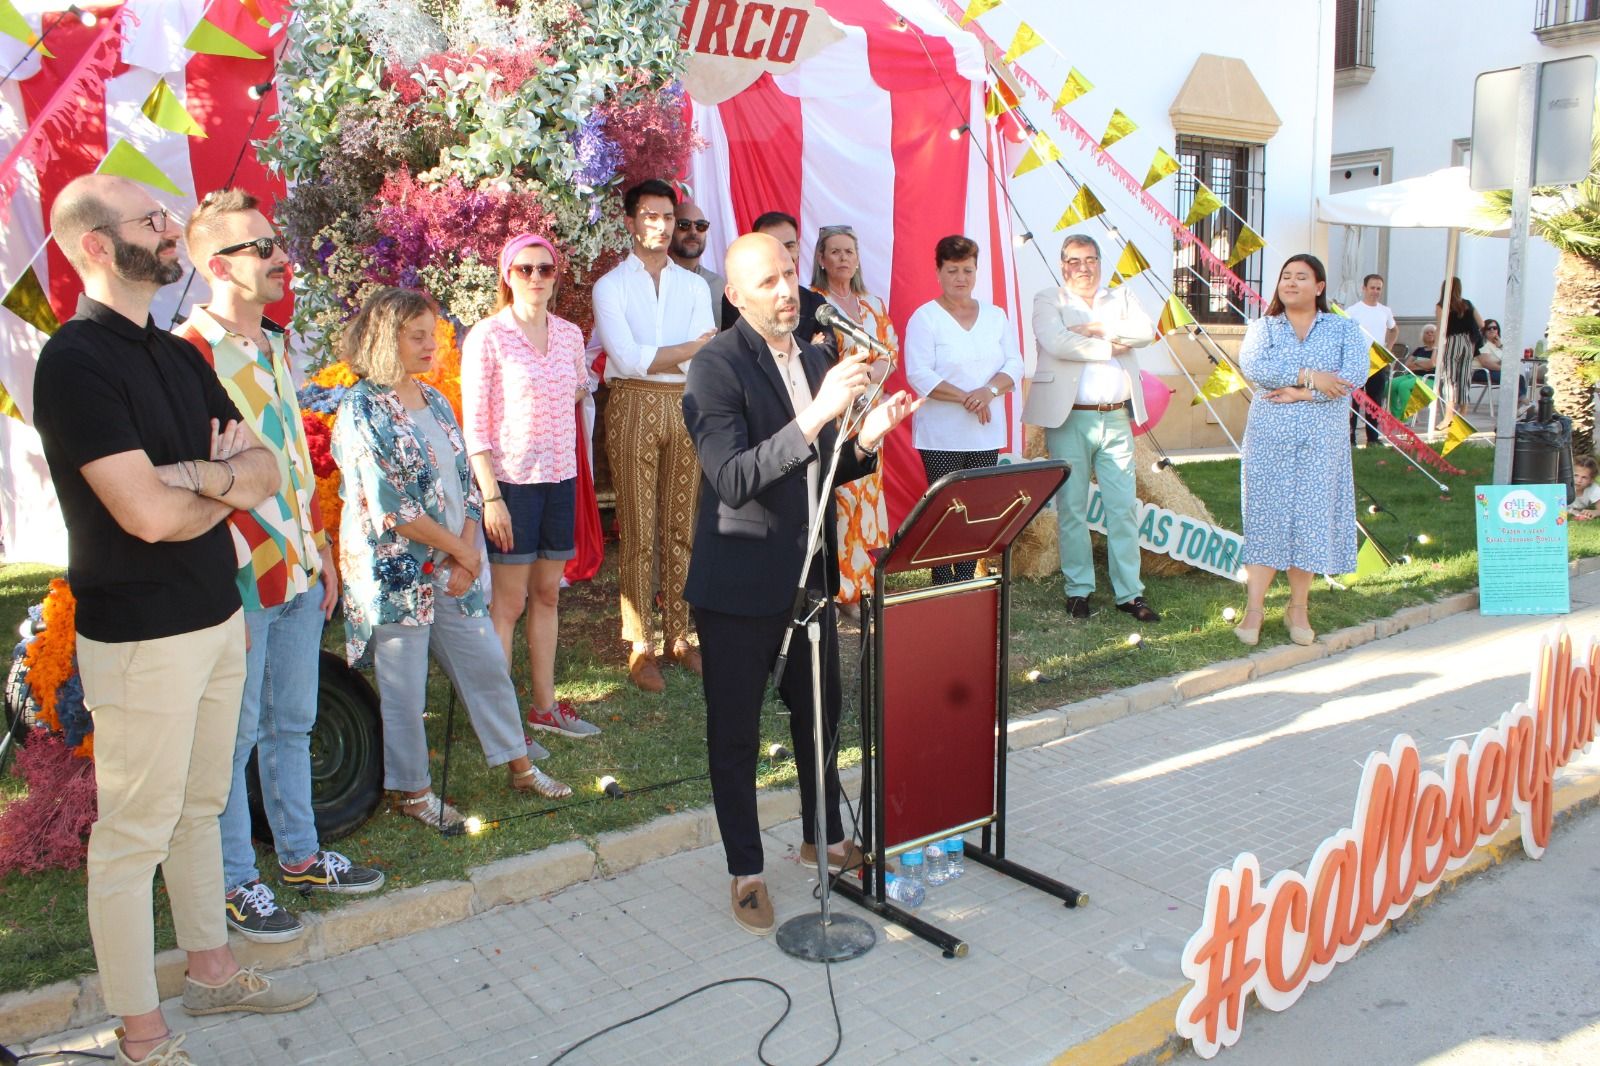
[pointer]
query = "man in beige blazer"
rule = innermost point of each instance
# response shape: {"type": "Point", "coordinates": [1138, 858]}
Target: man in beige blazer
{"type": "Point", "coordinates": [1086, 379]}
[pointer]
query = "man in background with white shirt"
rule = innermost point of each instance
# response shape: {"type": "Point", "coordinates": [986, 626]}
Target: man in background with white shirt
{"type": "Point", "coordinates": [1081, 391]}
{"type": "Point", "coordinates": [1379, 323]}
{"type": "Point", "coordinates": [652, 316]}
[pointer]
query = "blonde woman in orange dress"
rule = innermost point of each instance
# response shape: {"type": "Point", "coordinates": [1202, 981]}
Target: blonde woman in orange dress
{"type": "Point", "coordinates": [863, 524]}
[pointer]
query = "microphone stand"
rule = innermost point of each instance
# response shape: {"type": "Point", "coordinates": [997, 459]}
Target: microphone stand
{"type": "Point", "coordinates": [824, 936]}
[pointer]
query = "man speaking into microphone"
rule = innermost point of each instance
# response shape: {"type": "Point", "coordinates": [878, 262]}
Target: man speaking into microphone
{"type": "Point", "coordinates": [761, 407]}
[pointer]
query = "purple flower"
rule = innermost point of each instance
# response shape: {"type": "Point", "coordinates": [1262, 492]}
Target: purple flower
{"type": "Point", "coordinates": [599, 157]}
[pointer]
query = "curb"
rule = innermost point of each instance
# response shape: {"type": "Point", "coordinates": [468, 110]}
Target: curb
{"type": "Point", "coordinates": [1148, 1037]}
{"type": "Point", "coordinates": [39, 1012]}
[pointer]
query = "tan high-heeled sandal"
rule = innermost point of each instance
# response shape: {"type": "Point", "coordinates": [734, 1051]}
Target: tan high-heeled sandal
{"type": "Point", "coordinates": [1250, 635]}
{"type": "Point", "coordinates": [1301, 635]}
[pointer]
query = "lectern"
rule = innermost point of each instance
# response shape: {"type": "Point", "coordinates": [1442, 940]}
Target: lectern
{"type": "Point", "coordinates": [935, 692]}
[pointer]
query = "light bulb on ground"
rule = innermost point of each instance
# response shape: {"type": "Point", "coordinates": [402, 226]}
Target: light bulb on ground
{"type": "Point", "coordinates": [1423, 538]}
{"type": "Point", "coordinates": [1033, 675]}
{"type": "Point", "coordinates": [778, 753]}
{"type": "Point", "coordinates": [474, 825]}
{"type": "Point", "coordinates": [1135, 640]}
{"type": "Point", "coordinates": [1229, 614]}
{"type": "Point", "coordinates": [1405, 560]}
{"type": "Point", "coordinates": [608, 786]}
{"type": "Point", "coordinates": [1372, 508]}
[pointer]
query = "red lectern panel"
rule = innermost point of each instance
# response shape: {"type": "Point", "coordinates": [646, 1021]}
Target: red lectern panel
{"type": "Point", "coordinates": [940, 661]}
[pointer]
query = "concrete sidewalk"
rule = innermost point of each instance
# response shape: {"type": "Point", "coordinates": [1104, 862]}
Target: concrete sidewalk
{"type": "Point", "coordinates": [1137, 812]}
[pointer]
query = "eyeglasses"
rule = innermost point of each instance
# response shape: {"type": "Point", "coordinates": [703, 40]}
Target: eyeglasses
{"type": "Point", "coordinates": [528, 270]}
{"type": "Point", "coordinates": [156, 220]}
{"type": "Point", "coordinates": [1078, 264]}
{"type": "Point", "coordinates": [262, 246]}
{"type": "Point", "coordinates": [698, 225]}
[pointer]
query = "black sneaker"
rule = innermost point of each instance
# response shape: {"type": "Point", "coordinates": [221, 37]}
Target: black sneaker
{"type": "Point", "coordinates": [254, 915]}
{"type": "Point", "coordinates": [1139, 609]}
{"type": "Point", "coordinates": [332, 872]}
{"type": "Point", "coordinates": [1078, 607]}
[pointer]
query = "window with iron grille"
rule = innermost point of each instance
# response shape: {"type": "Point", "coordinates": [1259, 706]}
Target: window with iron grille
{"type": "Point", "coordinates": [1549, 14]}
{"type": "Point", "coordinates": [1352, 34]}
{"type": "Point", "coordinates": [1236, 173]}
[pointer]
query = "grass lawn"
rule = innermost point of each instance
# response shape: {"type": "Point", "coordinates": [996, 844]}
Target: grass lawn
{"type": "Point", "coordinates": [653, 739]}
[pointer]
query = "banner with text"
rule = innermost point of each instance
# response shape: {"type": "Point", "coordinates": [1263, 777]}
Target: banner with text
{"type": "Point", "coordinates": [1184, 537]}
{"type": "Point", "coordinates": [1522, 549]}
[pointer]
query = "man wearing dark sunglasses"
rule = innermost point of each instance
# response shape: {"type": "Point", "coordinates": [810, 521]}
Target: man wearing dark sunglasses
{"type": "Point", "coordinates": [286, 575]}
{"type": "Point", "coordinates": [689, 246]}
{"type": "Point", "coordinates": [149, 456]}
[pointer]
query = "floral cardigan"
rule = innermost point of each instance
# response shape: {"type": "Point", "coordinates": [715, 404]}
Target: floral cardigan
{"type": "Point", "coordinates": [391, 477]}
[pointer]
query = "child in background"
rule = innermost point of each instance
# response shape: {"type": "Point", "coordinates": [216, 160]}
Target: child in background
{"type": "Point", "coordinates": [1587, 503]}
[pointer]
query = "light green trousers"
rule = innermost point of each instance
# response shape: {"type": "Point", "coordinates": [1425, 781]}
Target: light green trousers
{"type": "Point", "coordinates": [1099, 444]}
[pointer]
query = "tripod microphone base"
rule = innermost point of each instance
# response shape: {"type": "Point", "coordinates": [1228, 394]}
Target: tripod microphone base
{"type": "Point", "coordinates": [844, 937]}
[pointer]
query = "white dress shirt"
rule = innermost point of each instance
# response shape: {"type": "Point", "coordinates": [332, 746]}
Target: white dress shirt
{"type": "Point", "coordinates": [800, 397]}
{"type": "Point", "coordinates": [1106, 382]}
{"type": "Point", "coordinates": [634, 321]}
{"type": "Point", "coordinates": [938, 349]}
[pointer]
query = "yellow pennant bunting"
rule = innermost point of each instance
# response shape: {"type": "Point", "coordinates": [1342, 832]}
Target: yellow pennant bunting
{"type": "Point", "coordinates": [977, 8]}
{"type": "Point", "coordinates": [12, 24]}
{"type": "Point", "coordinates": [1129, 265]}
{"type": "Point", "coordinates": [998, 100]}
{"type": "Point", "coordinates": [1224, 379]}
{"type": "Point", "coordinates": [1246, 244]}
{"type": "Point", "coordinates": [1175, 317]}
{"type": "Point", "coordinates": [1377, 358]}
{"type": "Point", "coordinates": [8, 406]}
{"type": "Point", "coordinates": [164, 108]}
{"type": "Point", "coordinates": [1421, 396]}
{"type": "Point", "coordinates": [1119, 127]}
{"type": "Point", "coordinates": [209, 39]}
{"type": "Point", "coordinates": [1043, 150]}
{"type": "Point", "coordinates": [126, 161]}
{"type": "Point", "coordinates": [1084, 207]}
{"type": "Point", "coordinates": [28, 302]}
{"type": "Point", "coordinates": [1076, 85]}
{"type": "Point", "coordinates": [1455, 434]}
{"type": "Point", "coordinates": [1162, 166]}
{"type": "Point", "coordinates": [1025, 41]}
{"type": "Point", "coordinates": [1205, 202]}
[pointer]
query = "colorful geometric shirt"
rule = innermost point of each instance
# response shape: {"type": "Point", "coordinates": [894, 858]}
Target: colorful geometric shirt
{"type": "Point", "coordinates": [518, 403]}
{"type": "Point", "coordinates": [392, 476]}
{"type": "Point", "coordinates": [277, 544]}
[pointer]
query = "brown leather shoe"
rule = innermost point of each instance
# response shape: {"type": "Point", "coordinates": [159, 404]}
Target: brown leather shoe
{"type": "Point", "coordinates": [752, 908]}
{"type": "Point", "coordinates": [852, 859]}
{"type": "Point", "coordinates": [687, 656]}
{"type": "Point", "coordinates": [645, 672]}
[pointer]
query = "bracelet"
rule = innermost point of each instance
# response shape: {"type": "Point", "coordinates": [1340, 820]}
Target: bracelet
{"type": "Point", "coordinates": [229, 468]}
{"type": "Point", "coordinates": [492, 499]}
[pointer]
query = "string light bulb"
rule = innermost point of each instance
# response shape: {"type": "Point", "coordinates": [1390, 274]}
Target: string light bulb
{"type": "Point", "coordinates": [1229, 614]}
{"type": "Point", "coordinates": [1423, 538]}
{"type": "Point", "coordinates": [256, 92]}
{"type": "Point", "coordinates": [87, 18]}
{"type": "Point", "coordinates": [959, 132]}
{"type": "Point", "coordinates": [608, 786]}
{"type": "Point", "coordinates": [1021, 240]}
{"type": "Point", "coordinates": [1405, 560]}
{"type": "Point", "coordinates": [1373, 508]}
{"type": "Point", "coordinates": [900, 24]}
{"type": "Point", "coordinates": [778, 753]}
{"type": "Point", "coordinates": [1033, 676]}
{"type": "Point", "coordinates": [1135, 640]}
{"type": "Point", "coordinates": [1160, 464]}
{"type": "Point", "coordinates": [473, 825]}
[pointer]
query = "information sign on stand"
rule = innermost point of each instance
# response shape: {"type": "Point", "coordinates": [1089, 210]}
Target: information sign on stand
{"type": "Point", "coordinates": [1522, 549]}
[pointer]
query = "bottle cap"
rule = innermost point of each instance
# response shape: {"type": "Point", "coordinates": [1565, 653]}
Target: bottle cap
{"type": "Point", "coordinates": [912, 857]}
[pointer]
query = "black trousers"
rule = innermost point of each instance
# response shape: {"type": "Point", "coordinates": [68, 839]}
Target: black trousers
{"type": "Point", "coordinates": [738, 655]}
{"type": "Point", "coordinates": [937, 464]}
{"type": "Point", "coordinates": [1377, 390]}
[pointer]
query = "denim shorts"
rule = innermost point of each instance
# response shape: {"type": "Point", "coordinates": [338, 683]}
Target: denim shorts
{"type": "Point", "coordinates": [542, 520]}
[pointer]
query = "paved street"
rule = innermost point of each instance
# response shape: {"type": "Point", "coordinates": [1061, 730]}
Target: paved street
{"type": "Point", "coordinates": [1137, 812]}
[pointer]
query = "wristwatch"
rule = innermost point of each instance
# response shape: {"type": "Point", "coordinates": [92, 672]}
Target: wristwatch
{"type": "Point", "coordinates": [993, 391]}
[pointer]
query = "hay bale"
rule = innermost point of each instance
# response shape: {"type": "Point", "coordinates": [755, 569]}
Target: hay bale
{"type": "Point", "coordinates": [1164, 488]}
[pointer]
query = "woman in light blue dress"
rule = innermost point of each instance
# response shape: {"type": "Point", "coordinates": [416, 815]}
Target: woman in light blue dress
{"type": "Point", "coordinates": [1297, 492]}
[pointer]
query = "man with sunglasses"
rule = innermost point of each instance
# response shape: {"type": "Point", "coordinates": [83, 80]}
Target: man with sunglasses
{"type": "Point", "coordinates": [149, 456]}
{"type": "Point", "coordinates": [689, 245]}
{"type": "Point", "coordinates": [286, 575]}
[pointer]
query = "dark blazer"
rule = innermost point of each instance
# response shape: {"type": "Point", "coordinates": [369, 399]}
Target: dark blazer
{"type": "Point", "coordinates": [807, 328]}
{"type": "Point", "coordinates": [750, 528]}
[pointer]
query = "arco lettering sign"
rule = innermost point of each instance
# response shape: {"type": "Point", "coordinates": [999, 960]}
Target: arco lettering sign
{"type": "Point", "coordinates": [731, 43]}
{"type": "Point", "coordinates": [1184, 537]}
{"type": "Point", "coordinates": [1410, 826]}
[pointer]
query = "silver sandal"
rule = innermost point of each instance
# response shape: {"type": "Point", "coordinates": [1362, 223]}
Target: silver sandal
{"type": "Point", "coordinates": [431, 811]}
{"type": "Point", "coordinates": [542, 783]}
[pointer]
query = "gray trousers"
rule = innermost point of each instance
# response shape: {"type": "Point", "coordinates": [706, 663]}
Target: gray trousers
{"type": "Point", "coordinates": [470, 654]}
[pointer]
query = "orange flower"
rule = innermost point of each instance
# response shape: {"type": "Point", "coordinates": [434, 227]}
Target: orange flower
{"type": "Point", "coordinates": [334, 375]}
{"type": "Point", "coordinates": [446, 373]}
{"type": "Point", "coordinates": [49, 658]}
{"type": "Point", "coordinates": [332, 508]}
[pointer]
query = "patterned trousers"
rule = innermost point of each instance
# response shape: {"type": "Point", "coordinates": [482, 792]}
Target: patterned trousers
{"type": "Point", "coordinates": [656, 478]}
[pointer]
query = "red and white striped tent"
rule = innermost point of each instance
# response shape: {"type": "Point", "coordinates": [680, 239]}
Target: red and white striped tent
{"type": "Point", "coordinates": [858, 133]}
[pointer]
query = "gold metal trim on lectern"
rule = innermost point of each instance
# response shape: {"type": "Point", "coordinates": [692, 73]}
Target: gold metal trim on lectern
{"type": "Point", "coordinates": [957, 506]}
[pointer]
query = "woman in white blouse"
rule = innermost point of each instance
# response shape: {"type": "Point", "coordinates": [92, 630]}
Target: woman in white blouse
{"type": "Point", "coordinates": [962, 356]}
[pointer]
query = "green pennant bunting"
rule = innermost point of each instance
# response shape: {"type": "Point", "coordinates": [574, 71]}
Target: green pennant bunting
{"type": "Point", "coordinates": [164, 108]}
{"type": "Point", "coordinates": [1369, 560]}
{"type": "Point", "coordinates": [1205, 202]}
{"type": "Point", "coordinates": [28, 302]}
{"type": "Point", "coordinates": [209, 39]}
{"type": "Point", "coordinates": [126, 161]}
{"type": "Point", "coordinates": [1175, 317]}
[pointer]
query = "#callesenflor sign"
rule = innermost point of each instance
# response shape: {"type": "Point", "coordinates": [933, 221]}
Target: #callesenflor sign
{"type": "Point", "coordinates": [1411, 825]}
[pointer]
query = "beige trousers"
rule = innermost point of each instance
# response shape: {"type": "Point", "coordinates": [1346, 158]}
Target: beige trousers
{"type": "Point", "coordinates": [656, 477]}
{"type": "Point", "coordinates": [165, 714]}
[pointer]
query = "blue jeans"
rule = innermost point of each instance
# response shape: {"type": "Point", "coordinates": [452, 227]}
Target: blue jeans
{"type": "Point", "coordinates": [275, 719]}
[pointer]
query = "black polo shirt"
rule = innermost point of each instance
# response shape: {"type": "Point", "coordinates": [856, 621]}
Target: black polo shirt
{"type": "Point", "coordinates": [106, 386]}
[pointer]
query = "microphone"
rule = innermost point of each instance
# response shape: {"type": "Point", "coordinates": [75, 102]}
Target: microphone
{"type": "Point", "coordinates": [828, 315]}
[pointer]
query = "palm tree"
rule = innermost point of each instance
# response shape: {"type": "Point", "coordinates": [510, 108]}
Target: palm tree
{"type": "Point", "coordinates": [1569, 221]}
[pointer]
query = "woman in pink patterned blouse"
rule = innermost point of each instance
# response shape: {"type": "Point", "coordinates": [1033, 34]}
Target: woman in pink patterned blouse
{"type": "Point", "coordinates": [523, 372]}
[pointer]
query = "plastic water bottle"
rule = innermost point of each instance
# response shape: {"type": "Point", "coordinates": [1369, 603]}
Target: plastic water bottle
{"type": "Point", "coordinates": [936, 871]}
{"type": "Point", "coordinates": [955, 858]}
{"type": "Point", "coordinates": [904, 891]}
{"type": "Point", "coordinates": [912, 868]}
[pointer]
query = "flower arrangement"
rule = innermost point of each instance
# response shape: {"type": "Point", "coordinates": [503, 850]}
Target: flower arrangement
{"type": "Point", "coordinates": [50, 659]}
{"type": "Point", "coordinates": [419, 134]}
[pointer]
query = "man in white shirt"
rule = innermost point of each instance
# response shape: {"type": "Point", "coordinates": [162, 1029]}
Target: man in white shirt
{"type": "Point", "coordinates": [652, 316]}
{"type": "Point", "coordinates": [1080, 393]}
{"type": "Point", "coordinates": [689, 246]}
{"type": "Point", "coordinates": [1379, 324]}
